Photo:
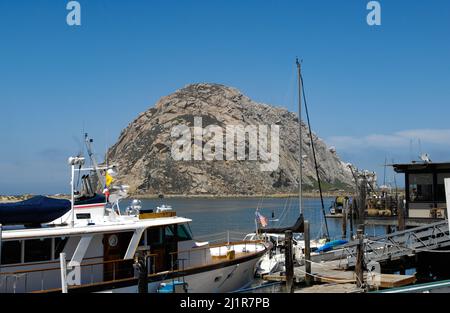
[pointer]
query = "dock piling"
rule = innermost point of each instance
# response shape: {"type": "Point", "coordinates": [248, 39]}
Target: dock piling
{"type": "Point", "coordinates": [359, 267]}
{"type": "Point", "coordinates": [401, 213]}
{"type": "Point", "coordinates": [344, 220]}
{"type": "Point", "coordinates": [308, 277]}
{"type": "Point", "coordinates": [289, 262]}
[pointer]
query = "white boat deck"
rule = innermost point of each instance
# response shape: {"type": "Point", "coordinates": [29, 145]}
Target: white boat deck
{"type": "Point", "coordinates": [121, 225]}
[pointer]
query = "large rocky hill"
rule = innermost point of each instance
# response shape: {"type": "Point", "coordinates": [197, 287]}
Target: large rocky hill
{"type": "Point", "coordinates": [143, 150]}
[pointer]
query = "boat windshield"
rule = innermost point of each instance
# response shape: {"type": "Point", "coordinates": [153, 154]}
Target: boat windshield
{"type": "Point", "coordinates": [184, 232]}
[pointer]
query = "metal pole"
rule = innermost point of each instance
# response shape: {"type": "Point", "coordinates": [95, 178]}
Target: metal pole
{"type": "Point", "coordinates": [63, 266]}
{"type": "Point", "coordinates": [72, 196]}
{"type": "Point", "coordinates": [300, 153]}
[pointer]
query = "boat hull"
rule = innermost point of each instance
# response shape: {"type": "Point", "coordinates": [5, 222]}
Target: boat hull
{"type": "Point", "coordinates": [219, 280]}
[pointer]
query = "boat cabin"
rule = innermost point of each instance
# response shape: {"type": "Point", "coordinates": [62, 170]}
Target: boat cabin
{"type": "Point", "coordinates": [30, 257]}
{"type": "Point", "coordinates": [424, 188]}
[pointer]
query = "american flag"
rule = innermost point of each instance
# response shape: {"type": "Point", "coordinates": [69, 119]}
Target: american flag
{"type": "Point", "coordinates": [261, 219]}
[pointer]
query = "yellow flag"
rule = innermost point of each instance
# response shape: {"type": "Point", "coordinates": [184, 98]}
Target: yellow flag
{"type": "Point", "coordinates": [109, 179]}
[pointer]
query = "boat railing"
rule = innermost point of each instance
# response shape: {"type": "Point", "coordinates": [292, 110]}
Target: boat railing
{"type": "Point", "coordinates": [49, 278]}
{"type": "Point", "coordinates": [19, 281]}
{"type": "Point", "coordinates": [205, 252]}
{"type": "Point", "coordinates": [226, 236]}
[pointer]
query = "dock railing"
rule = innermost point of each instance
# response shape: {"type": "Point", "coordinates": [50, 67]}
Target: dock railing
{"type": "Point", "coordinates": [402, 243]}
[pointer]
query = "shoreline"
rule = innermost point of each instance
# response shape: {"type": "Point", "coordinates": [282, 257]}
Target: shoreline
{"type": "Point", "coordinates": [17, 198]}
{"type": "Point", "coordinates": [241, 196]}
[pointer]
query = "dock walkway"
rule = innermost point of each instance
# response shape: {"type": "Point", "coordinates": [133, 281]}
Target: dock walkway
{"type": "Point", "coordinates": [398, 244]}
{"type": "Point", "coordinates": [331, 273]}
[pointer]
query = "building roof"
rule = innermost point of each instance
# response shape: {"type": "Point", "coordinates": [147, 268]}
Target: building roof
{"type": "Point", "coordinates": [420, 166]}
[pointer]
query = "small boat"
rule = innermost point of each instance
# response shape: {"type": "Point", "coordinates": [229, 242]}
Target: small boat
{"type": "Point", "coordinates": [331, 245]}
{"type": "Point", "coordinates": [274, 260]}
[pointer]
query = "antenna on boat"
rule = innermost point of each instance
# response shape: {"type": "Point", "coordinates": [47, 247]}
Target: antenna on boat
{"type": "Point", "coordinates": [73, 161]}
{"type": "Point", "coordinates": [89, 142]}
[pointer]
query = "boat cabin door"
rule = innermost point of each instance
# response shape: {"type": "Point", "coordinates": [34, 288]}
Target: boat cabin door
{"type": "Point", "coordinates": [114, 249]}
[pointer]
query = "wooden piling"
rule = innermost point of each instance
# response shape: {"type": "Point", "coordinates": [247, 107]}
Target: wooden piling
{"type": "Point", "coordinates": [289, 261]}
{"type": "Point", "coordinates": [362, 194]}
{"type": "Point", "coordinates": [344, 220]}
{"type": "Point", "coordinates": [401, 214]}
{"type": "Point", "coordinates": [351, 218]}
{"type": "Point", "coordinates": [359, 267]}
{"type": "Point", "coordinates": [308, 277]}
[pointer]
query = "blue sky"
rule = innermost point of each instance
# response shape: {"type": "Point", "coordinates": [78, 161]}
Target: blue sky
{"type": "Point", "coordinates": [371, 90]}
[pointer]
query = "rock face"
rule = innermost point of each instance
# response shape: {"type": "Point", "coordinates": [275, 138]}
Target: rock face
{"type": "Point", "coordinates": [143, 151]}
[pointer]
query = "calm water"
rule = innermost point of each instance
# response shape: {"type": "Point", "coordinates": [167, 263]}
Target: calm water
{"type": "Point", "coordinates": [211, 216]}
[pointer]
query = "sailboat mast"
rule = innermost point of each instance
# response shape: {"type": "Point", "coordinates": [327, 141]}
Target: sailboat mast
{"type": "Point", "coordinates": [300, 157]}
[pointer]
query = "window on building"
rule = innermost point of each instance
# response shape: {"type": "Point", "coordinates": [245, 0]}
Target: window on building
{"type": "Point", "coordinates": [38, 250]}
{"type": "Point", "coordinates": [421, 187]}
{"type": "Point", "coordinates": [11, 252]}
{"type": "Point", "coordinates": [440, 188]}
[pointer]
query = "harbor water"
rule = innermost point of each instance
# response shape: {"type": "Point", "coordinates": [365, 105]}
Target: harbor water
{"type": "Point", "coordinates": [237, 215]}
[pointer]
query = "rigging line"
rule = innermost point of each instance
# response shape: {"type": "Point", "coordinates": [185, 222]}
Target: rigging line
{"type": "Point", "coordinates": [281, 219]}
{"type": "Point", "coordinates": [282, 212]}
{"type": "Point", "coordinates": [314, 155]}
{"type": "Point", "coordinates": [259, 203]}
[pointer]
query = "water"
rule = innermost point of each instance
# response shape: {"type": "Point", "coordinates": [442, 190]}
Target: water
{"type": "Point", "coordinates": [211, 216]}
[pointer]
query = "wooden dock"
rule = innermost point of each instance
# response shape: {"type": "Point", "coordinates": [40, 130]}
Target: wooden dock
{"type": "Point", "coordinates": [332, 273]}
{"type": "Point", "coordinates": [331, 288]}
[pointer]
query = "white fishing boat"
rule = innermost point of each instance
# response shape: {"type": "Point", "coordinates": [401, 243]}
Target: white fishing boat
{"type": "Point", "coordinates": [92, 246]}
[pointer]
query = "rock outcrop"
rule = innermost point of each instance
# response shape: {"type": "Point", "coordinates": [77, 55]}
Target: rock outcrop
{"type": "Point", "coordinates": [144, 156]}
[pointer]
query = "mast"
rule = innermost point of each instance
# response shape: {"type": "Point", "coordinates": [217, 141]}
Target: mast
{"type": "Point", "coordinates": [315, 163]}
{"type": "Point", "coordinates": [93, 160]}
{"type": "Point", "coordinates": [300, 157]}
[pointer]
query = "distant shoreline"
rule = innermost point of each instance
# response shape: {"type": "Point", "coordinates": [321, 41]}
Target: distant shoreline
{"type": "Point", "coordinates": [308, 194]}
{"type": "Point", "coordinates": [237, 196]}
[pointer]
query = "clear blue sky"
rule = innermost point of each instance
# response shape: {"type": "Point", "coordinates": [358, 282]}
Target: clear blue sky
{"type": "Point", "coordinates": [371, 90]}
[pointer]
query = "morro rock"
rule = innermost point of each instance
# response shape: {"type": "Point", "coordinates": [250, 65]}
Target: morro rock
{"type": "Point", "coordinates": [143, 151]}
